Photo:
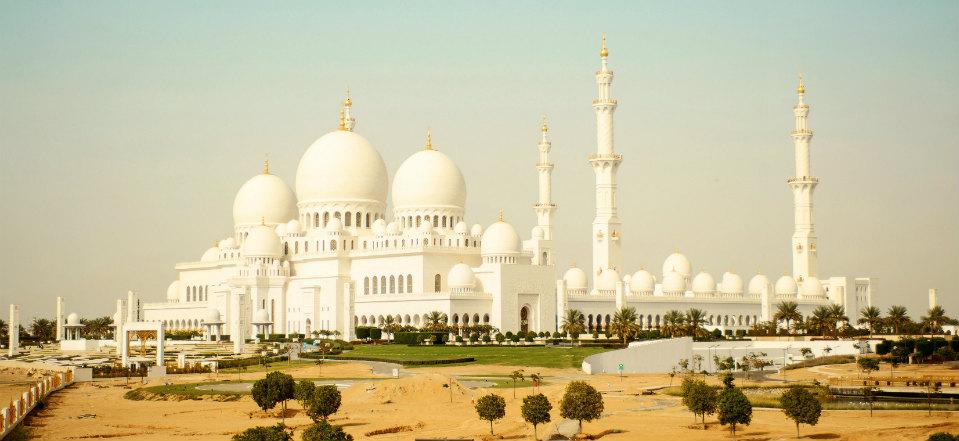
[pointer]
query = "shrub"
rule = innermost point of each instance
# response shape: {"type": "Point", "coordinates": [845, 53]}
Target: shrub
{"type": "Point", "coordinates": [278, 432]}
{"type": "Point", "coordinates": [521, 334]}
{"type": "Point", "coordinates": [362, 332]}
{"type": "Point", "coordinates": [734, 408]}
{"type": "Point", "coordinates": [884, 347]}
{"type": "Point", "coordinates": [581, 402]}
{"type": "Point", "coordinates": [323, 431]}
{"type": "Point", "coordinates": [490, 408]}
{"type": "Point", "coordinates": [459, 339]}
{"type": "Point", "coordinates": [557, 334]}
{"type": "Point", "coordinates": [941, 436]}
{"type": "Point", "coordinates": [529, 338]}
{"type": "Point", "coordinates": [486, 339]}
{"type": "Point", "coordinates": [500, 337]}
{"type": "Point", "coordinates": [474, 337]}
{"type": "Point", "coordinates": [276, 388]}
{"type": "Point", "coordinates": [509, 335]}
{"type": "Point", "coordinates": [800, 406]}
{"type": "Point", "coordinates": [699, 398]}
{"type": "Point", "coordinates": [514, 339]}
{"type": "Point", "coordinates": [536, 410]}
{"type": "Point", "coordinates": [325, 402]}
{"type": "Point", "coordinates": [303, 392]}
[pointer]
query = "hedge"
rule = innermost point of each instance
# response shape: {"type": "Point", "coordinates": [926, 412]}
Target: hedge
{"type": "Point", "coordinates": [251, 361]}
{"type": "Point", "coordinates": [416, 338]}
{"type": "Point", "coordinates": [405, 362]}
{"type": "Point", "coordinates": [368, 332]}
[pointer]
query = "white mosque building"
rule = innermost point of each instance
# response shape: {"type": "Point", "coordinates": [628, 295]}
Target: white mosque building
{"type": "Point", "coordinates": [332, 256]}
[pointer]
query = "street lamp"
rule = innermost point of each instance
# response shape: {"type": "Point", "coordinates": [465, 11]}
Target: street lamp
{"type": "Point", "coordinates": [787, 348]}
{"type": "Point", "coordinates": [709, 350]}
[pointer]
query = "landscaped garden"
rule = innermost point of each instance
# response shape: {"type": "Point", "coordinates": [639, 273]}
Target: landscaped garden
{"type": "Point", "coordinates": [532, 356]}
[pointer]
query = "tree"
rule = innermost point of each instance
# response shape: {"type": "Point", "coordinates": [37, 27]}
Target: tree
{"type": "Point", "coordinates": [745, 365]}
{"type": "Point", "coordinates": [303, 392]}
{"type": "Point", "coordinates": [581, 402]}
{"type": "Point", "coordinates": [800, 406]}
{"type": "Point", "coordinates": [624, 323]}
{"type": "Point", "coordinates": [897, 317]}
{"type": "Point", "coordinates": [734, 408]}
{"type": "Point", "coordinates": [43, 329]}
{"type": "Point", "coordinates": [695, 319]}
{"type": "Point", "coordinates": [276, 388]}
{"type": "Point", "coordinates": [435, 321]}
{"type": "Point", "coordinates": [4, 328]}
{"type": "Point", "coordinates": [868, 364]}
{"type": "Point", "coordinates": [536, 410]}
{"type": "Point", "coordinates": [325, 402]}
{"type": "Point", "coordinates": [787, 312]}
{"type": "Point", "coordinates": [941, 436]}
{"type": "Point", "coordinates": [934, 319]}
{"type": "Point", "coordinates": [699, 398]}
{"type": "Point", "coordinates": [870, 316]}
{"type": "Point", "coordinates": [818, 321]}
{"type": "Point", "coordinates": [574, 323]}
{"type": "Point", "coordinates": [491, 408]}
{"type": "Point", "coordinates": [536, 379]}
{"type": "Point", "coordinates": [806, 352]}
{"type": "Point", "coordinates": [837, 316]}
{"type": "Point", "coordinates": [323, 431]}
{"type": "Point", "coordinates": [278, 432]}
{"type": "Point", "coordinates": [673, 323]}
{"type": "Point", "coordinates": [390, 326]}
{"type": "Point", "coordinates": [516, 376]}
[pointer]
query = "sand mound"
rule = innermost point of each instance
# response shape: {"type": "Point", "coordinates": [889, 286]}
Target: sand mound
{"type": "Point", "coordinates": [417, 388]}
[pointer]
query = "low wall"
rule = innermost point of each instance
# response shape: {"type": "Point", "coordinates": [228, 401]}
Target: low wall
{"type": "Point", "coordinates": [18, 409]}
{"type": "Point", "coordinates": [643, 357]}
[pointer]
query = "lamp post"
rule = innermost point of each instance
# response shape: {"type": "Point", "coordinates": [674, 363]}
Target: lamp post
{"type": "Point", "coordinates": [709, 350]}
{"type": "Point", "coordinates": [786, 349]}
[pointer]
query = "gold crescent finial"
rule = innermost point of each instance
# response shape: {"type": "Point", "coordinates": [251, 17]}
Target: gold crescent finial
{"type": "Point", "coordinates": [500, 217]}
{"type": "Point", "coordinates": [801, 89]}
{"type": "Point", "coordinates": [429, 139]}
{"type": "Point", "coordinates": [572, 264]}
{"type": "Point", "coordinates": [349, 98]}
{"type": "Point", "coordinates": [604, 52]}
{"type": "Point", "coordinates": [266, 164]}
{"type": "Point", "coordinates": [544, 127]}
{"type": "Point", "coordinates": [342, 125]}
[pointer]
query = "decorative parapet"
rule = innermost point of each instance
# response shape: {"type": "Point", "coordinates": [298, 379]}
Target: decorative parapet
{"type": "Point", "coordinates": [18, 409]}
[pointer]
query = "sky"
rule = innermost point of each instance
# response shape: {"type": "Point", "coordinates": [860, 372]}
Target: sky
{"type": "Point", "coordinates": [126, 128]}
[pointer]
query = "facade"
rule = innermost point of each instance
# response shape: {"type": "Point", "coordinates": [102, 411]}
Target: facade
{"type": "Point", "coordinates": [332, 256]}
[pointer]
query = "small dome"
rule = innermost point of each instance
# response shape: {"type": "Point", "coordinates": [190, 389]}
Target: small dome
{"type": "Point", "coordinates": [461, 276]}
{"type": "Point", "coordinates": [786, 286]}
{"type": "Point", "coordinates": [732, 283]}
{"type": "Point", "coordinates": [341, 166]}
{"type": "Point", "coordinates": [428, 179]}
{"type": "Point", "coordinates": [227, 243]}
{"type": "Point", "coordinates": [500, 238]}
{"type": "Point", "coordinates": [676, 263]}
{"type": "Point", "coordinates": [293, 227]}
{"type": "Point", "coordinates": [476, 230]}
{"type": "Point", "coordinates": [393, 228]}
{"type": "Point", "coordinates": [211, 254]}
{"type": "Point", "coordinates": [607, 280]}
{"type": "Point", "coordinates": [461, 228]}
{"type": "Point", "coordinates": [213, 316]}
{"type": "Point", "coordinates": [73, 319]}
{"type": "Point", "coordinates": [281, 230]}
{"type": "Point", "coordinates": [261, 317]}
{"type": "Point", "coordinates": [642, 281]}
{"type": "Point", "coordinates": [334, 224]}
{"type": "Point", "coordinates": [262, 242]}
{"type": "Point", "coordinates": [575, 278]}
{"type": "Point", "coordinates": [426, 227]}
{"type": "Point", "coordinates": [173, 291]}
{"type": "Point", "coordinates": [379, 227]}
{"type": "Point", "coordinates": [674, 282]}
{"type": "Point", "coordinates": [537, 232]}
{"type": "Point", "coordinates": [704, 283]}
{"type": "Point", "coordinates": [264, 198]}
{"type": "Point", "coordinates": [758, 283]}
{"type": "Point", "coordinates": [812, 287]}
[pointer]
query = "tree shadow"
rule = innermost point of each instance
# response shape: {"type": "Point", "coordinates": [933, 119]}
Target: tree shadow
{"type": "Point", "coordinates": [822, 436]}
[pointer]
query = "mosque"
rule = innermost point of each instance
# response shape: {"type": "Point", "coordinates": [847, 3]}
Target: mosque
{"type": "Point", "coordinates": [332, 256]}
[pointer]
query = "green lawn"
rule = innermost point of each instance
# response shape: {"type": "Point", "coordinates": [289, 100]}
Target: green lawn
{"type": "Point", "coordinates": [532, 356]}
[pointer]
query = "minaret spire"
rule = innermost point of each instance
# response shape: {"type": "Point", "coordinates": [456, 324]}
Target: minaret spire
{"type": "Point", "coordinates": [803, 185]}
{"type": "Point", "coordinates": [429, 139]}
{"type": "Point", "coordinates": [605, 163]}
{"type": "Point", "coordinates": [349, 122]}
{"type": "Point", "coordinates": [544, 206]}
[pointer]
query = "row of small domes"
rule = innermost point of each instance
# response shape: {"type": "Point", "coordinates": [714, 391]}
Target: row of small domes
{"type": "Point", "coordinates": [343, 166]}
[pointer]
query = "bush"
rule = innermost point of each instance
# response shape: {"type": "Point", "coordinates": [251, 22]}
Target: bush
{"type": "Point", "coordinates": [581, 402]}
{"type": "Point", "coordinates": [556, 334]}
{"type": "Point", "coordinates": [323, 431]}
{"type": "Point", "coordinates": [535, 410]}
{"type": "Point", "coordinates": [276, 388]}
{"type": "Point", "coordinates": [734, 408]}
{"type": "Point", "coordinates": [500, 337]}
{"type": "Point", "coordinates": [699, 397]}
{"type": "Point", "coordinates": [474, 337]}
{"type": "Point", "coordinates": [303, 392]}
{"type": "Point", "coordinates": [941, 436]}
{"type": "Point", "coordinates": [278, 432]}
{"type": "Point", "coordinates": [800, 406]}
{"type": "Point", "coordinates": [490, 408]}
{"type": "Point", "coordinates": [325, 402]}
{"type": "Point", "coordinates": [487, 339]}
{"type": "Point", "coordinates": [362, 332]}
{"type": "Point", "coordinates": [884, 347]}
{"type": "Point", "coordinates": [416, 338]}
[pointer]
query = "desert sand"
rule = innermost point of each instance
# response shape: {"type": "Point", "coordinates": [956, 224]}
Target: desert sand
{"type": "Point", "coordinates": [419, 401]}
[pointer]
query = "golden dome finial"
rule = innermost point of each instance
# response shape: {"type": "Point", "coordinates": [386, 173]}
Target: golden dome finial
{"type": "Point", "coordinates": [801, 88]}
{"type": "Point", "coordinates": [429, 139]}
{"type": "Point", "coordinates": [499, 218]}
{"type": "Point", "coordinates": [342, 125]}
{"type": "Point", "coordinates": [349, 98]}
{"type": "Point", "coordinates": [544, 127]}
{"type": "Point", "coordinates": [266, 165]}
{"type": "Point", "coordinates": [604, 52]}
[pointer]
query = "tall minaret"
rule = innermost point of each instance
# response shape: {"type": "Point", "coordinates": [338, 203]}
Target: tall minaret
{"type": "Point", "coordinates": [544, 206]}
{"type": "Point", "coordinates": [803, 185]}
{"type": "Point", "coordinates": [605, 163]}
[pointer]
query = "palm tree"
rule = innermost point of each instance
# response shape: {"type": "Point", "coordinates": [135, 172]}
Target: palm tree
{"type": "Point", "coordinates": [673, 322]}
{"type": "Point", "coordinates": [695, 318]}
{"type": "Point", "coordinates": [819, 320]}
{"type": "Point", "coordinates": [3, 330]}
{"type": "Point", "coordinates": [787, 312]}
{"type": "Point", "coordinates": [435, 321]}
{"type": "Point", "coordinates": [897, 317]}
{"type": "Point", "coordinates": [870, 316]}
{"type": "Point", "coordinates": [935, 318]}
{"type": "Point", "coordinates": [624, 323]}
{"type": "Point", "coordinates": [97, 328]}
{"type": "Point", "coordinates": [390, 326]}
{"type": "Point", "coordinates": [838, 315]}
{"type": "Point", "coordinates": [43, 329]}
{"type": "Point", "coordinates": [574, 323]}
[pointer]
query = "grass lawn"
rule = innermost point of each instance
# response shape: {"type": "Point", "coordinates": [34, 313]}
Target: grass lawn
{"type": "Point", "coordinates": [532, 356]}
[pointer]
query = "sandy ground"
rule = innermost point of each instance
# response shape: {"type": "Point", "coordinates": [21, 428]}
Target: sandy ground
{"type": "Point", "coordinates": [14, 382]}
{"type": "Point", "coordinates": [98, 410]}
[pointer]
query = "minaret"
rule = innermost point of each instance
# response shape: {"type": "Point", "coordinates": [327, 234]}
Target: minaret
{"type": "Point", "coordinates": [349, 122]}
{"type": "Point", "coordinates": [544, 206]}
{"type": "Point", "coordinates": [803, 185]}
{"type": "Point", "coordinates": [605, 163]}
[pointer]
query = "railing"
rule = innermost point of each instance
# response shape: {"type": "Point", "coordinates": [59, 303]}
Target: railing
{"type": "Point", "coordinates": [18, 409]}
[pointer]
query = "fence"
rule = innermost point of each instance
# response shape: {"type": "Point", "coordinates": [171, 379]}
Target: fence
{"type": "Point", "coordinates": [17, 410]}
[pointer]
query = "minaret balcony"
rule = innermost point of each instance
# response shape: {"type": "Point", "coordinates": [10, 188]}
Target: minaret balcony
{"type": "Point", "coordinates": [606, 102]}
{"type": "Point", "coordinates": [803, 180]}
{"type": "Point", "coordinates": [605, 157]}
{"type": "Point", "coordinates": [801, 133]}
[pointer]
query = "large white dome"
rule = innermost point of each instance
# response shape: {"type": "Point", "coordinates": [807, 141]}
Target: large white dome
{"type": "Point", "coordinates": [642, 281]}
{"type": "Point", "coordinates": [262, 242]}
{"type": "Point", "coordinates": [428, 179]}
{"type": "Point", "coordinates": [264, 198]}
{"type": "Point", "coordinates": [811, 287]}
{"type": "Point", "coordinates": [575, 278]}
{"type": "Point", "coordinates": [732, 283]}
{"type": "Point", "coordinates": [704, 283]}
{"type": "Point", "coordinates": [786, 286]}
{"type": "Point", "coordinates": [674, 283]}
{"type": "Point", "coordinates": [677, 262]}
{"type": "Point", "coordinates": [607, 280]}
{"type": "Point", "coordinates": [758, 283]}
{"type": "Point", "coordinates": [341, 166]}
{"type": "Point", "coordinates": [500, 238]}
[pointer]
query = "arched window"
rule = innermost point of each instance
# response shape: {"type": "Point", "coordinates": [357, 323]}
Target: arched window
{"type": "Point", "coordinates": [475, 318]}
{"type": "Point", "coordinates": [368, 220]}
{"type": "Point", "coordinates": [296, 247]}
{"type": "Point", "coordinates": [306, 247]}
{"type": "Point", "coordinates": [326, 218]}
{"type": "Point", "coordinates": [409, 283]}
{"type": "Point", "coordinates": [359, 219]}
{"type": "Point", "coordinates": [418, 219]}
{"type": "Point", "coordinates": [436, 221]}
{"type": "Point", "coordinates": [286, 248]}
{"type": "Point", "coordinates": [366, 285]}
{"type": "Point", "coordinates": [444, 221]}
{"type": "Point", "coordinates": [332, 245]}
{"type": "Point", "coordinates": [485, 318]}
{"type": "Point", "coordinates": [392, 285]}
{"type": "Point", "coordinates": [456, 319]}
{"type": "Point", "coordinates": [382, 284]}
{"type": "Point", "coordinates": [437, 283]}
{"type": "Point", "coordinates": [338, 215]}
{"type": "Point", "coordinates": [349, 219]}
{"type": "Point", "coordinates": [374, 285]}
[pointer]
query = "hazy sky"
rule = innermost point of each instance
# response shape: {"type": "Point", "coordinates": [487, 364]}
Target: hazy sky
{"type": "Point", "coordinates": [126, 128]}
